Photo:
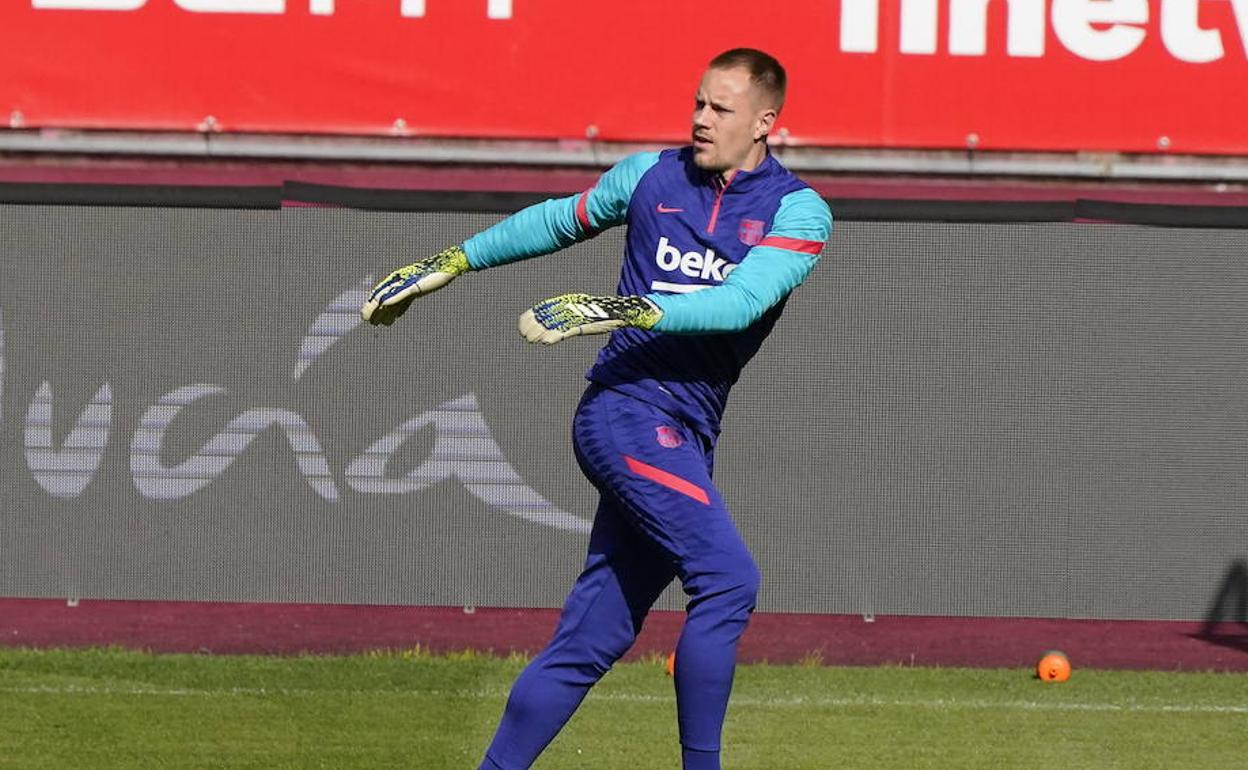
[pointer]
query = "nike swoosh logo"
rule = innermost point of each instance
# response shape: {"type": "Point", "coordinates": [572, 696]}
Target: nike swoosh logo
{"type": "Point", "coordinates": [665, 210]}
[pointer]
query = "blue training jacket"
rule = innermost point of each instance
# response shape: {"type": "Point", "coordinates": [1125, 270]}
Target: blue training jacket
{"type": "Point", "coordinates": [718, 259]}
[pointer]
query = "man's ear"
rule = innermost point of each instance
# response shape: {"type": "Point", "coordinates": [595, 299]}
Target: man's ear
{"type": "Point", "coordinates": [762, 127]}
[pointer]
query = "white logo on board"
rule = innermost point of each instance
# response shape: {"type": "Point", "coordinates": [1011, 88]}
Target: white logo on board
{"type": "Point", "coordinates": [463, 447]}
{"type": "Point", "coordinates": [1096, 30]}
{"type": "Point", "coordinates": [494, 9]}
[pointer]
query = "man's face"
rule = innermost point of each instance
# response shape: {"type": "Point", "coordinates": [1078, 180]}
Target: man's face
{"type": "Point", "coordinates": [728, 118]}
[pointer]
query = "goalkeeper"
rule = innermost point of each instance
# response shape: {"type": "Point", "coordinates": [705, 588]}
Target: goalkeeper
{"type": "Point", "coordinates": [719, 234]}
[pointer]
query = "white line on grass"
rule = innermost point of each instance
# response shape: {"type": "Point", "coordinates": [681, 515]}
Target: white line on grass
{"type": "Point", "coordinates": [938, 704]}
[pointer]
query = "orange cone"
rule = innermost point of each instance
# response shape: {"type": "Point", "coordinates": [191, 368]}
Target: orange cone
{"type": "Point", "coordinates": [1053, 666]}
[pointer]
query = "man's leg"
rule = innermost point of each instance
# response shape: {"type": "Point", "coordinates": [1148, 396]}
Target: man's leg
{"type": "Point", "coordinates": [623, 576]}
{"type": "Point", "coordinates": [659, 471]}
{"type": "Point", "coordinates": [722, 585]}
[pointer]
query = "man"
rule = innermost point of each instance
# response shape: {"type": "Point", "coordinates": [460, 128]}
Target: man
{"type": "Point", "coordinates": [719, 234]}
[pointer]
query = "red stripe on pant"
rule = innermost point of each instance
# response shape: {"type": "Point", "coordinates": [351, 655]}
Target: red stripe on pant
{"type": "Point", "coordinates": [669, 480]}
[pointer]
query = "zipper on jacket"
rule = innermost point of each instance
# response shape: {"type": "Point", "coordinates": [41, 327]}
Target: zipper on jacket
{"type": "Point", "coordinates": [710, 227]}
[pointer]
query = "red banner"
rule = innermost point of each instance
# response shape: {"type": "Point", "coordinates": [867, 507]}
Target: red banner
{"type": "Point", "coordinates": [1066, 75]}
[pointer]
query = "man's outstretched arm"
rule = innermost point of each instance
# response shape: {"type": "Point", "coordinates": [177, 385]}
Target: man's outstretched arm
{"type": "Point", "coordinates": [772, 269]}
{"type": "Point", "coordinates": [539, 229]}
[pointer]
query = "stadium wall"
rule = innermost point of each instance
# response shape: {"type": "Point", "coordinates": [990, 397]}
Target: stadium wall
{"type": "Point", "coordinates": [1027, 418]}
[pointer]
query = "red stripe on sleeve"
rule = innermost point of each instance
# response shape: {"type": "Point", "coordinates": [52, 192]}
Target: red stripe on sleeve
{"type": "Point", "coordinates": [792, 244]}
{"type": "Point", "coordinates": [582, 210]}
{"type": "Point", "coordinates": [669, 480]}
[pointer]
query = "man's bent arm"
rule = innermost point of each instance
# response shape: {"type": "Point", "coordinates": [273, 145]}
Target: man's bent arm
{"type": "Point", "coordinates": [772, 269]}
{"type": "Point", "coordinates": [560, 222]}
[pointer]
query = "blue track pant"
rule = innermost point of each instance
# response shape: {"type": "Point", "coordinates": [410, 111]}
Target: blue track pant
{"type": "Point", "coordinates": [659, 518]}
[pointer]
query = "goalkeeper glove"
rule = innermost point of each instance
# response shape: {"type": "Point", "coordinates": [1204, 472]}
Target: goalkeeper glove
{"type": "Point", "coordinates": [390, 298]}
{"type": "Point", "coordinates": [569, 315]}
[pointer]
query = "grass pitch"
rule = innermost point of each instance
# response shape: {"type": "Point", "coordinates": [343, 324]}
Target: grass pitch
{"type": "Point", "coordinates": [118, 709]}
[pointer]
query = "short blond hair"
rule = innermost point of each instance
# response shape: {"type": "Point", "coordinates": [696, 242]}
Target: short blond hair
{"type": "Point", "coordinates": [766, 73]}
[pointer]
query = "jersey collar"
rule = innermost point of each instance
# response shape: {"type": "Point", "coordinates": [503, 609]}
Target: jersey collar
{"type": "Point", "coordinates": [741, 180]}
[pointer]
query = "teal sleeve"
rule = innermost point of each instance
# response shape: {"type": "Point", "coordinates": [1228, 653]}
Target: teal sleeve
{"type": "Point", "coordinates": [539, 229]}
{"type": "Point", "coordinates": [772, 269]}
{"type": "Point", "coordinates": [559, 222]}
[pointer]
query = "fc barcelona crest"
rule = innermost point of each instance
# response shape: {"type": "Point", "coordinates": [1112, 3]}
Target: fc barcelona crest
{"type": "Point", "coordinates": [750, 232]}
{"type": "Point", "coordinates": [668, 436]}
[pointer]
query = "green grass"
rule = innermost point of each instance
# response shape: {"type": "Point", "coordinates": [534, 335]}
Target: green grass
{"type": "Point", "coordinates": [116, 709]}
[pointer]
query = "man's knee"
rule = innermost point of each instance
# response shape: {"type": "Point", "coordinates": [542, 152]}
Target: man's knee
{"type": "Point", "coordinates": [735, 583]}
{"type": "Point", "coordinates": [747, 579]}
{"type": "Point", "coordinates": [584, 657]}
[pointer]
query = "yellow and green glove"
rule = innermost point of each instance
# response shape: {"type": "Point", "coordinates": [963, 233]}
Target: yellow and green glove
{"type": "Point", "coordinates": [571, 315]}
{"type": "Point", "coordinates": [548, 322]}
{"type": "Point", "coordinates": [389, 298]}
